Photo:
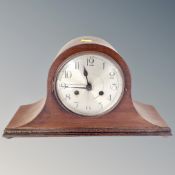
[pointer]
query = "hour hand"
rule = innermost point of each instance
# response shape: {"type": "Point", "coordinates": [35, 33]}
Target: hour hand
{"type": "Point", "coordinates": [85, 72]}
{"type": "Point", "coordinates": [88, 86]}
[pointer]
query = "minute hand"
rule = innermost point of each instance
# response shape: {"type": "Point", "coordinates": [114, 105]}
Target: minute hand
{"type": "Point", "coordinates": [75, 87]}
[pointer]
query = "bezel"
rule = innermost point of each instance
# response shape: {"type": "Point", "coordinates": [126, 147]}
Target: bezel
{"type": "Point", "coordinates": [73, 56]}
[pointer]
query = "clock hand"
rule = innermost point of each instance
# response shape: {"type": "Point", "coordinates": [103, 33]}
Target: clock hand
{"type": "Point", "coordinates": [76, 87]}
{"type": "Point", "coordinates": [80, 86]}
{"type": "Point", "coordinates": [85, 72]}
{"type": "Point", "coordinates": [88, 86]}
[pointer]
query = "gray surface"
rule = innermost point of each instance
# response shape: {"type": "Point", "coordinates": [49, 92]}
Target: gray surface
{"type": "Point", "coordinates": [31, 32]}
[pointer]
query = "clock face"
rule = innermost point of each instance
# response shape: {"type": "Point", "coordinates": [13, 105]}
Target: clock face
{"type": "Point", "coordinates": [89, 83]}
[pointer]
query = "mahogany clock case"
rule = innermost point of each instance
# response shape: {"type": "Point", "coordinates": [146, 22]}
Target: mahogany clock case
{"type": "Point", "coordinates": [48, 118]}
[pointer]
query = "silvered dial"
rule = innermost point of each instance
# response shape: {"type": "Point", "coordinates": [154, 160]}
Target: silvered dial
{"type": "Point", "coordinates": [89, 83]}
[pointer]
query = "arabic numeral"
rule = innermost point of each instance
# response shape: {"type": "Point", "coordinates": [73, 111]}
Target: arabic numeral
{"type": "Point", "coordinates": [114, 86]}
{"type": "Point", "coordinates": [111, 75]}
{"type": "Point", "coordinates": [103, 65]}
{"type": "Point", "coordinates": [67, 96]}
{"type": "Point", "coordinates": [110, 97]}
{"type": "Point", "coordinates": [63, 85]}
{"type": "Point", "coordinates": [77, 65]}
{"type": "Point", "coordinates": [88, 108]}
{"type": "Point", "coordinates": [90, 61]}
{"type": "Point", "coordinates": [67, 74]}
{"type": "Point", "coordinates": [76, 104]}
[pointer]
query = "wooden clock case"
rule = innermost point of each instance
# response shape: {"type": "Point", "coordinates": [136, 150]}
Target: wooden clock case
{"type": "Point", "coordinates": [48, 118]}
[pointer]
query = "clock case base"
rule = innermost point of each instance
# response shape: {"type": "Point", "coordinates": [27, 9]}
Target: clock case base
{"type": "Point", "coordinates": [146, 122]}
{"type": "Point", "coordinates": [146, 112]}
{"type": "Point", "coordinates": [48, 118]}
